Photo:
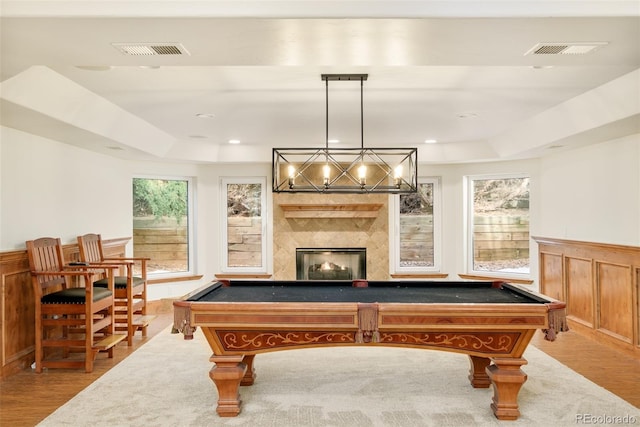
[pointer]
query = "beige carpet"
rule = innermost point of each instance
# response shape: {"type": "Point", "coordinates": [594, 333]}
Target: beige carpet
{"type": "Point", "coordinates": [166, 383]}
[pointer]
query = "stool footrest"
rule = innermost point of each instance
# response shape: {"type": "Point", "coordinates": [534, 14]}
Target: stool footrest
{"type": "Point", "coordinates": [141, 321]}
{"type": "Point", "coordinates": [108, 342]}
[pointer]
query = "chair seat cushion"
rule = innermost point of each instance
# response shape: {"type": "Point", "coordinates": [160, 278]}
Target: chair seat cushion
{"type": "Point", "coordinates": [120, 282]}
{"type": "Point", "coordinates": [74, 296]}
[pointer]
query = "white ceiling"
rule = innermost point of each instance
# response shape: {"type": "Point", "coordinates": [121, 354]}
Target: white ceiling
{"type": "Point", "coordinates": [454, 71]}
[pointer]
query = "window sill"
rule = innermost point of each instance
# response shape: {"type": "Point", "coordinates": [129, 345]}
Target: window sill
{"type": "Point", "coordinates": [419, 275]}
{"type": "Point", "coordinates": [173, 279]}
{"type": "Point", "coordinates": [260, 276]}
{"type": "Point", "coordinates": [496, 278]}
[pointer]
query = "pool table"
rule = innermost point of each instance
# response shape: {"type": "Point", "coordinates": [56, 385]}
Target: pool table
{"type": "Point", "coordinates": [491, 322]}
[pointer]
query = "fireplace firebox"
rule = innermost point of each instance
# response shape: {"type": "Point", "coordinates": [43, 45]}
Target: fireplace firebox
{"type": "Point", "coordinates": [331, 263]}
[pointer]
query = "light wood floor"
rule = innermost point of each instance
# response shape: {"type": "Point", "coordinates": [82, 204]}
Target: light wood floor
{"type": "Point", "coordinates": [27, 398]}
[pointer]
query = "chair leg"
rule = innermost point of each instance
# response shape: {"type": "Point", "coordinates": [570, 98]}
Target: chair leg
{"type": "Point", "coordinates": [131, 330]}
{"type": "Point", "coordinates": [88, 343]}
{"type": "Point", "coordinates": [38, 352]}
{"type": "Point", "coordinates": [65, 350]}
{"type": "Point", "coordinates": [143, 311]}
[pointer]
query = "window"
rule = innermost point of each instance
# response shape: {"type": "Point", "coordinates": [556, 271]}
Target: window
{"type": "Point", "coordinates": [417, 221]}
{"type": "Point", "coordinates": [498, 224]}
{"type": "Point", "coordinates": [162, 224]}
{"type": "Point", "coordinates": [244, 225]}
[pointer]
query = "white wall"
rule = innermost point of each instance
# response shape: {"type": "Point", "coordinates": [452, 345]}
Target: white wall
{"type": "Point", "coordinates": [50, 189]}
{"type": "Point", "coordinates": [1, 186]}
{"type": "Point", "coordinates": [592, 193]}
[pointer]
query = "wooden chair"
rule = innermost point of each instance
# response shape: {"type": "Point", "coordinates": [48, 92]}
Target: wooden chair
{"type": "Point", "coordinates": [68, 318]}
{"type": "Point", "coordinates": [130, 291]}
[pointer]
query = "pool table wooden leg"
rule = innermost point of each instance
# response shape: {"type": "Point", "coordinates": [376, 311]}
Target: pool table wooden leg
{"type": "Point", "coordinates": [250, 374]}
{"type": "Point", "coordinates": [227, 374]}
{"type": "Point", "coordinates": [507, 379]}
{"type": "Point", "coordinates": [478, 372]}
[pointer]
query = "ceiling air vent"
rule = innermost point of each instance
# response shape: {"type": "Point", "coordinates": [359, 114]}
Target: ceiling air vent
{"type": "Point", "coordinates": [146, 49]}
{"type": "Point", "coordinates": [564, 48]}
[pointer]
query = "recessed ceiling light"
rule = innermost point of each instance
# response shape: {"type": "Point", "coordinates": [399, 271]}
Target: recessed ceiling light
{"type": "Point", "coordinates": [205, 115]}
{"type": "Point", "coordinates": [333, 141]}
{"type": "Point", "coordinates": [430, 141]}
{"type": "Point", "coordinates": [234, 141]}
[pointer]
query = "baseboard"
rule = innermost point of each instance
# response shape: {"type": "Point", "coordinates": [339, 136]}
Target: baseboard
{"type": "Point", "coordinates": [604, 339]}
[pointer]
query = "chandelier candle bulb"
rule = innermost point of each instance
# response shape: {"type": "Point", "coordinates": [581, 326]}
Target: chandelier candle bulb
{"type": "Point", "coordinates": [362, 174]}
{"type": "Point", "coordinates": [292, 176]}
{"type": "Point", "coordinates": [326, 171]}
{"type": "Point", "coordinates": [397, 175]}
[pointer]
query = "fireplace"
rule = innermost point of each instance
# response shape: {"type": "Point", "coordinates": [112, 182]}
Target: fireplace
{"type": "Point", "coordinates": [331, 263]}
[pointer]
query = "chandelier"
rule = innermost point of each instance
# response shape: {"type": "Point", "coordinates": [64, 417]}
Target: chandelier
{"type": "Point", "coordinates": [345, 170]}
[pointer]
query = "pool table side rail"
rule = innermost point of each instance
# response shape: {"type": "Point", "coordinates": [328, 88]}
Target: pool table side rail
{"type": "Point", "coordinates": [252, 328]}
{"type": "Point", "coordinates": [548, 315]}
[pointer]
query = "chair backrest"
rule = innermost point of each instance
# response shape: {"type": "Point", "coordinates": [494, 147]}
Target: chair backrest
{"type": "Point", "coordinates": [90, 246]}
{"type": "Point", "coordinates": [45, 254]}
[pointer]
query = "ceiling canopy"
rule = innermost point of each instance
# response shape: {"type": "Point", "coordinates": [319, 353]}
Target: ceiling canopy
{"type": "Point", "coordinates": [219, 81]}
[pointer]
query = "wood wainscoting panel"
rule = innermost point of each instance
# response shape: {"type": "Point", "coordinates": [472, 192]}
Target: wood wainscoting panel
{"type": "Point", "coordinates": [18, 311]}
{"type": "Point", "coordinates": [615, 297]}
{"type": "Point", "coordinates": [580, 294]}
{"type": "Point", "coordinates": [18, 317]}
{"type": "Point", "coordinates": [551, 275]}
{"type": "Point", "coordinates": [636, 309]}
{"type": "Point", "coordinates": [600, 282]}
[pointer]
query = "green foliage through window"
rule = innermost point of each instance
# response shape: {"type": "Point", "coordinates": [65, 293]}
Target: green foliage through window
{"type": "Point", "coordinates": [160, 198]}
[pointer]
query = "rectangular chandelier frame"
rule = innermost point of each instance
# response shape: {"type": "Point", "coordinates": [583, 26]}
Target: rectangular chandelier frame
{"type": "Point", "coordinates": [345, 170]}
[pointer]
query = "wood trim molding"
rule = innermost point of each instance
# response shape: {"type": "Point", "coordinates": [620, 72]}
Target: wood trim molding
{"type": "Point", "coordinates": [243, 276]}
{"type": "Point", "coordinates": [174, 279]}
{"type": "Point", "coordinates": [495, 278]}
{"type": "Point", "coordinates": [419, 275]}
{"type": "Point", "coordinates": [549, 241]}
{"type": "Point", "coordinates": [342, 210]}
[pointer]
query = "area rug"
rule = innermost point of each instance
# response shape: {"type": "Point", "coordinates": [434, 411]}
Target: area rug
{"type": "Point", "coordinates": [166, 383]}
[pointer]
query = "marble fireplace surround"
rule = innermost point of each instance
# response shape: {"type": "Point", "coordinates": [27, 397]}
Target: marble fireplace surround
{"type": "Point", "coordinates": [330, 221]}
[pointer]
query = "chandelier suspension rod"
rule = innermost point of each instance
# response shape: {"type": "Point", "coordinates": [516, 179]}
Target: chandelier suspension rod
{"type": "Point", "coordinates": [326, 113]}
{"type": "Point", "coordinates": [361, 115]}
